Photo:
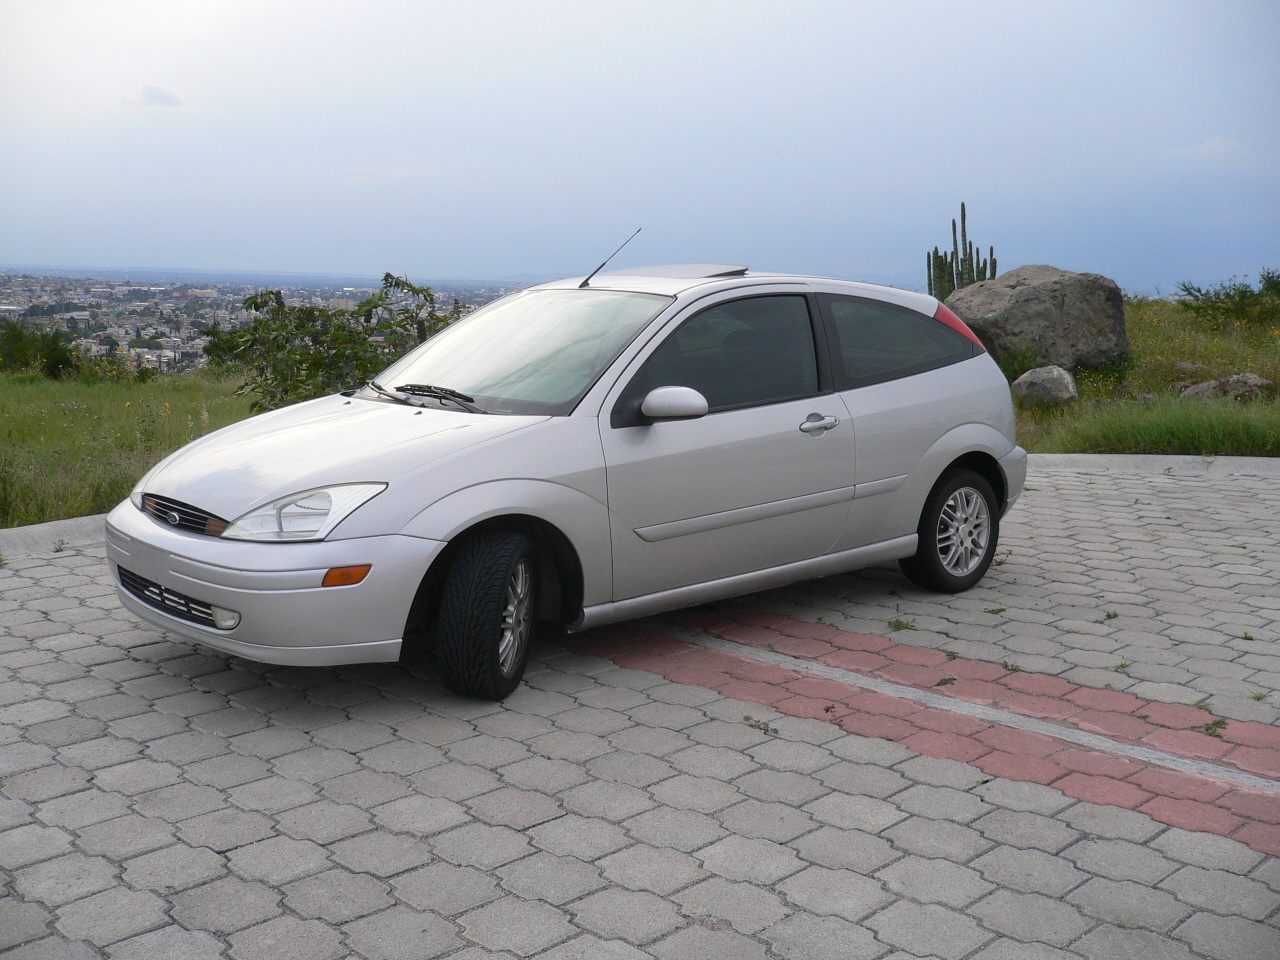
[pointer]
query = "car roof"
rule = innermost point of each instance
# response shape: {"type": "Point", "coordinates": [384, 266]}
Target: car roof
{"type": "Point", "coordinates": [673, 280]}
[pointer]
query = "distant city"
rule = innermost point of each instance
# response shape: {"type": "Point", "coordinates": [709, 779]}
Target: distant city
{"type": "Point", "coordinates": [164, 323]}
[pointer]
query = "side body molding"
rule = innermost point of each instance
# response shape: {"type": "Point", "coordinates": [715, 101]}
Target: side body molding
{"type": "Point", "coordinates": [876, 517]}
{"type": "Point", "coordinates": [582, 519]}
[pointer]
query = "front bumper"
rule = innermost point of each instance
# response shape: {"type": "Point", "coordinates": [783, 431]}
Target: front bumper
{"type": "Point", "coordinates": [1014, 466]}
{"type": "Point", "coordinates": [286, 616]}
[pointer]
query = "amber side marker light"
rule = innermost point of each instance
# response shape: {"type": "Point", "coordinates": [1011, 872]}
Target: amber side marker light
{"type": "Point", "coordinates": [346, 576]}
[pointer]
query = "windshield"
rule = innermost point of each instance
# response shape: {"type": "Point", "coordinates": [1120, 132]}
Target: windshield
{"type": "Point", "coordinates": [535, 352]}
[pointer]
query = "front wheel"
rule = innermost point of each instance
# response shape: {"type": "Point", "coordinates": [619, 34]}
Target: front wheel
{"type": "Point", "coordinates": [958, 531]}
{"type": "Point", "coordinates": [486, 615]}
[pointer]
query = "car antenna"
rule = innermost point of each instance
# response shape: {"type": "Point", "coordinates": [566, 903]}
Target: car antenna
{"type": "Point", "coordinates": [607, 259]}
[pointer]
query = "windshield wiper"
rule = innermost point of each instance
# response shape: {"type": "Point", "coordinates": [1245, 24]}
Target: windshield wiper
{"type": "Point", "coordinates": [441, 393]}
{"type": "Point", "coordinates": [389, 395]}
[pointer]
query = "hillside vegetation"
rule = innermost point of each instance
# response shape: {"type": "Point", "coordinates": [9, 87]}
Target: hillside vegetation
{"type": "Point", "coordinates": [70, 448]}
{"type": "Point", "coordinates": [1133, 406]}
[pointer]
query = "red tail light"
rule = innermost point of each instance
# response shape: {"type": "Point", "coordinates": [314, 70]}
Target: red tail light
{"type": "Point", "coordinates": [955, 323]}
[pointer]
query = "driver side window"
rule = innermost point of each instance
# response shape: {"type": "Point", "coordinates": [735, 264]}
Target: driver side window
{"type": "Point", "coordinates": [736, 354]}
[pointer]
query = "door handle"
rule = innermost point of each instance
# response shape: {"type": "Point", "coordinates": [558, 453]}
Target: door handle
{"type": "Point", "coordinates": [816, 424]}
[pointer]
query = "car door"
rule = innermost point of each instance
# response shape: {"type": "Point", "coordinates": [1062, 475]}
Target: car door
{"type": "Point", "coordinates": [765, 478]}
{"type": "Point", "coordinates": [900, 374]}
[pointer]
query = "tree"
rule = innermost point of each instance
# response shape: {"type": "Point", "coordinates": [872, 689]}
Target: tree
{"type": "Point", "coordinates": [295, 353]}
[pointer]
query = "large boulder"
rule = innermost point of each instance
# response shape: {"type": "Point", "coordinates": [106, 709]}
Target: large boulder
{"type": "Point", "coordinates": [1070, 320]}
{"type": "Point", "coordinates": [1045, 387]}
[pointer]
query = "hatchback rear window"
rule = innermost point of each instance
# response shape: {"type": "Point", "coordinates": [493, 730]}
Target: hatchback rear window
{"type": "Point", "coordinates": [875, 341]}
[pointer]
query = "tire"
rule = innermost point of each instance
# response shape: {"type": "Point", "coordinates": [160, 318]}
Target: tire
{"type": "Point", "coordinates": [486, 616]}
{"type": "Point", "coordinates": [960, 507]}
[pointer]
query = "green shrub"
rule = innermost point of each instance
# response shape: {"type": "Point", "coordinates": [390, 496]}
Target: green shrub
{"type": "Point", "coordinates": [293, 353]}
{"type": "Point", "coordinates": [1234, 302]}
{"type": "Point", "coordinates": [24, 347]}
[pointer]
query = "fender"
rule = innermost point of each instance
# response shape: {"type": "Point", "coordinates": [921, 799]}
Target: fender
{"type": "Point", "coordinates": [896, 512]}
{"type": "Point", "coordinates": [582, 519]}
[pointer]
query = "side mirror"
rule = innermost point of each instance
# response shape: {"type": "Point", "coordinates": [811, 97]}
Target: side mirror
{"type": "Point", "coordinates": [674, 403]}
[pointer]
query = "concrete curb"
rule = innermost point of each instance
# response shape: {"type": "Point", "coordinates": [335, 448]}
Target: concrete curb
{"type": "Point", "coordinates": [45, 537]}
{"type": "Point", "coordinates": [78, 531]}
{"type": "Point", "coordinates": [1155, 465]}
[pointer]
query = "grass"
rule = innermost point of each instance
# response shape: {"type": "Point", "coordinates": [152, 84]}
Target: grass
{"type": "Point", "coordinates": [1132, 406]}
{"type": "Point", "coordinates": [68, 449]}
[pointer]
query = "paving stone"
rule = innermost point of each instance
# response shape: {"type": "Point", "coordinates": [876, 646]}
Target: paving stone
{"type": "Point", "coordinates": [1222, 892]}
{"type": "Point", "coordinates": [585, 947]}
{"type": "Point", "coordinates": [224, 830]}
{"type": "Point", "coordinates": [31, 843]}
{"type": "Point", "coordinates": [510, 807]}
{"type": "Point", "coordinates": [702, 794]}
{"type": "Point", "coordinates": [847, 849]}
{"type": "Point", "coordinates": [1120, 860]}
{"type": "Point", "coordinates": [865, 779]}
{"type": "Point", "coordinates": [700, 943]}
{"type": "Point", "coordinates": [840, 893]}
{"type": "Point", "coordinates": [337, 896]}
{"type": "Point", "coordinates": [1013, 950]}
{"type": "Point", "coordinates": [928, 930]}
{"type": "Point", "coordinates": [742, 858]}
{"type": "Point", "coordinates": [174, 868]}
{"type": "Point", "coordinates": [1026, 830]}
{"type": "Point", "coordinates": [855, 812]}
{"type": "Point", "coordinates": [937, 839]}
{"type": "Point", "coordinates": [935, 881]}
{"type": "Point", "coordinates": [802, 937]}
{"type": "Point", "coordinates": [324, 821]}
{"type": "Point", "coordinates": [1128, 904]}
{"type": "Point", "coordinates": [1030, 871]}
{"type": "Point", "coordinates": [657, 869]}
{"type": "Point", "coordinates": [748, 909]}
{"type": "Point", "coordinates": [780, 786]}
{"type": "Point", "coordinates": [445, 889]}
{"type": "Point", "coordinates": [554, 879]}
{"type": "Point", "coordinates": [61, 880]}
{"type": "Point", "coordinates": [481, 846]}
{"type": "Point", "coordinates": [421, 816]}
{"type": "Point", "coordinates": [635, 916]}
{"type": "Point", "coordinates": [171, 943]}
{"type": "Point", "coordinates": [381, 854]}
{"type": "Point", "coordinates": [770, 821]}
{"type": "Point", "coordinates": [287, 938]}
{"type": "Point", "coordinates": [21, 922]}
{"type": "Point", "coordinates": [278, 860]}
{"type": "Point", "coordinates": [1113, 943]}
{"type": "Point", "coordinates": [1207, 850]}
{"type": "Point", "coordinates": [403, 934]}
{"type": "Point", "coordinates": [1031, 916]}
{"type": "Point", "coordinates": [521, 927]}
{"type": "Point", "coordinates": [681, 829]}
{"type": "Point", "coordinates": [272, 795]}
{"type": "Point", "coordinates": [225, 905]}
{"type": "Point", "coordinates": [1111, 822]}
{"type": "Point", "coordinates": [111, 915]}
{"type": "Point", "coordinates": [1230, 938]}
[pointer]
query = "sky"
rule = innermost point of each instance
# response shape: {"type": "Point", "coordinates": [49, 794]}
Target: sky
{"type": "Point", "coordinates": [483, 139]}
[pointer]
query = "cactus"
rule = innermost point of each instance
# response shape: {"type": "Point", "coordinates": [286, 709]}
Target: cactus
{"type": "Point", "coordinates": [948, 272]}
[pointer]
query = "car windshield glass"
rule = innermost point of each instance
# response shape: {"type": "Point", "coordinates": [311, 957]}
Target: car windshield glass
{"type": "Point", "coordinates": [535, 352]}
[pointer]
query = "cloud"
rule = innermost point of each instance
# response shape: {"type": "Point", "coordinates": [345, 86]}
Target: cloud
{"type": "Point", "coordinates": [155, 95]}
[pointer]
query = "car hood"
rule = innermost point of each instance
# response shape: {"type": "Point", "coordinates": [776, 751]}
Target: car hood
{"type": "Point", "coordinates": [317, 443]}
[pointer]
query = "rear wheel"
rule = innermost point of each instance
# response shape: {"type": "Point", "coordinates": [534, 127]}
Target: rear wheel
{"type": "Point", "coordinates": [958, 532]}
{"type": "Point", "coordinates": [486, 614]}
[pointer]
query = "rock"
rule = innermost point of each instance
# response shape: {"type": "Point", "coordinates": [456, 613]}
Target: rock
{"type": "Point", "coordinates": [1240, 386]}
{"type": "Point", "coordinates": [1190, 369]}
{"type": "Point", "coordinates": [1071, 320]}
{"type": "Point", "coordinates": [1045, 387]}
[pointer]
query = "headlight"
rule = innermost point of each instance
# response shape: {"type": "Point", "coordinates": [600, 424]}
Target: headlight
{"type": "Point", "coordinates": [135, 495]}
{"type": "Point", "coordinates": [308, 515]}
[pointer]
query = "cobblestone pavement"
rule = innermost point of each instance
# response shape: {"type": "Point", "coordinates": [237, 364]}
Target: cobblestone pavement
{"type": "Point", "coordinates": [157, 801]}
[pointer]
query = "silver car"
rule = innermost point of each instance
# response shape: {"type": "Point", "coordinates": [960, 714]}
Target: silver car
{"type": "Point", "coordinates": [583, 452]}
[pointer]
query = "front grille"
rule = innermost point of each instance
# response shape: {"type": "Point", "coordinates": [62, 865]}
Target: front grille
{"type": "Point", "coordinates": [175, 513]}
{"type": "Point", "coordinates": [170, 601]}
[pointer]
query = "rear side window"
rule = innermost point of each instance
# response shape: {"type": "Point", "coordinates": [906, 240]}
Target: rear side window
{"type": "Point", "coordinates": [874, 341]}
{"type": "Point", "coordinates": [741, 353]}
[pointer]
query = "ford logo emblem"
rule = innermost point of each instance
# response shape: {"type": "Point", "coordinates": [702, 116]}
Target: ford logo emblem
{"type": "Point", "coordinates": [173, 518]}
